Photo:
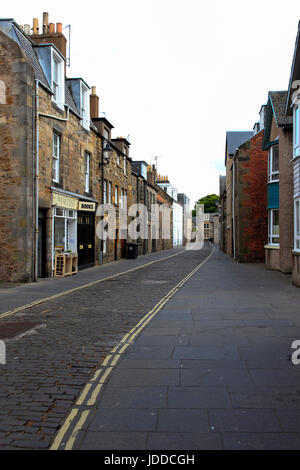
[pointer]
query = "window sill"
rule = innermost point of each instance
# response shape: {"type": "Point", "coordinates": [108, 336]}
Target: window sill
{"type": "Point", "coordinates": [295, 252]}
{"type": "Point", "coordinates": [272, 247]}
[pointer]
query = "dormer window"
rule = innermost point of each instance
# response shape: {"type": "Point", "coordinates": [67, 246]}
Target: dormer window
{"type": "Point", "coordinates": [58, 80]}
{"type": "Point", "coordinates": [84, 106]}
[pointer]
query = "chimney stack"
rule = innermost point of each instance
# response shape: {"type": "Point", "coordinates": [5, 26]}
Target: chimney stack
{"type": "Point", "coordinates": [49, 34]}
{"type": "Point", "coordinates": [94, 103]}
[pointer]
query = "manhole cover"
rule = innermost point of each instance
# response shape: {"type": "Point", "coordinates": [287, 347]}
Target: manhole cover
{"type": "Point", "coordinates": [12, 329]}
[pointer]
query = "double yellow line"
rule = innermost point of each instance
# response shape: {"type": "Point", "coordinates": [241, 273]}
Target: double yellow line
{"type": "Point", "coordinates": [75, 289]}
{"type": "Point", "coordinates": [67, 435]}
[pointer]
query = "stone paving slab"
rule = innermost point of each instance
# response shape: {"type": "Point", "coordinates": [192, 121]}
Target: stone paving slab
{"type": "Point", "coordinates": [236, 387]}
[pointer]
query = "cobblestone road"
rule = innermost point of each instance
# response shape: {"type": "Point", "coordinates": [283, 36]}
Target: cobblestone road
{"type": "Point", "coordinates": [53, 348]}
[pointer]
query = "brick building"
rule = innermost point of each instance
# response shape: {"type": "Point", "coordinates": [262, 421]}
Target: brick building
{"type": "Point", "coordinates": [278, 141]}
{"type": "Point", "coordinates": [249, 211]}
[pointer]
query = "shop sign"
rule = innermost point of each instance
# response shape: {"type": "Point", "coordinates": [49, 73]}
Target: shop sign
{"type": "Point", "coordinates": [87, 206]}
{"type": "Point", "coordinates": [64, 201]}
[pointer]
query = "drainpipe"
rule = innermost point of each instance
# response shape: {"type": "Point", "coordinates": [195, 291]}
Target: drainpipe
{"type": "Point", "coordinates": [36, 180]}
{"type": "Point", "coordinates": [102, 195]}
{"type": "Point", "coordinates": [233, 207]}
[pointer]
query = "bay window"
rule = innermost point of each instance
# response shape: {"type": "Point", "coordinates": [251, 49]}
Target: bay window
{"type": "Point", "coordinates": [274, 227]}
{"type": "Point", "coordinates": [297, 225]}
{"type": "Point", "coordinates": [273, 169]}
{"type": "Point", "coordinates": [296, 151]}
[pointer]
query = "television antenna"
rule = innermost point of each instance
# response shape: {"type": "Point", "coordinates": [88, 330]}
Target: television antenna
{"type": "Point", "coordinates": [155, 158]}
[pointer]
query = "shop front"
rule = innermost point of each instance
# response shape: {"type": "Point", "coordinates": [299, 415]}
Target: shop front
{"type": "Point", "coordinates": [64, 253]}
{"type": "Point", "coordinates": [86, 234]}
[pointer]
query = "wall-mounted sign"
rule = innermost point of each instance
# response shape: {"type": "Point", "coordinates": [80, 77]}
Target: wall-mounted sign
{"type": "Point", "coordinates": [87, 206]}
{"type": "Point", "coordinates": [67, 202]}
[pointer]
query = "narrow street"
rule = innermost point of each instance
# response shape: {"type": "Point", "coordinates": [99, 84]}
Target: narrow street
{"type": "Point", "coordinates": [143, 361]}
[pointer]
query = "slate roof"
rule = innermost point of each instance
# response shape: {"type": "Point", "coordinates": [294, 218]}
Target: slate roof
{"type": "Point", "coordinates": [27, 47]}
{"type": "Point", "coordinates": [278, 100]}
{"type": "Point", "coordinates": [234, 139]}
{"type": "Point", "coordinates": [295, 72]}
{"type": "Point", "coordinates": [276, 108]}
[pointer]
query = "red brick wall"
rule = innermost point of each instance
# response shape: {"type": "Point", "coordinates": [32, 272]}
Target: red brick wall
{"type": "Point", "coordinates": [251, 215]}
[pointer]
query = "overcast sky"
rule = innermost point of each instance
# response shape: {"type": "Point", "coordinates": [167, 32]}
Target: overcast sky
{"type": "Point", "coordinates": [175, 75]}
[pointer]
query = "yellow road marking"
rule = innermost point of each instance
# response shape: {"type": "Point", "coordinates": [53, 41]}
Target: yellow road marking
{"type": "Point", "coordinates": [63, 429]}
{"type": "Point", "coordinates": [135, 331]}
{"type": "Point", "coordinates": [106, 360]}
{"type": "Point", "coordinates": [94, 395]}
{"type": "Point", "coordinates": [78, 426]}
{"type": "Point", "coordinates": [84, 394]}
{"type": "Point", "coordinates": [96, 375]}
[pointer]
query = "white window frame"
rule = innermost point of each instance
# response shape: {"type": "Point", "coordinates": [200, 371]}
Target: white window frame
{"type": "Point", "coordinates": [56, 153]}
{"type": "Point", "coordinates": [297, 224]}
{"type": "Point", "coordinates": [58, 82]}
{"type": "Point", "coordinates": [105, 192]}
{"type": "Point", "coordinates": [273, 176]}
{"type": "Point", "coordinates": [125, 165]}
{"type": "Point", "coordinates": [296, 132]}
{"type": "Point", "coordinates": [271, 234]}
{"type": "Point", "coordinates": [85, 106]}
{"type": "Point", "coordinates": [87, 160]}
{"type": "Point", "coordinates": [109, 192]}
{"type": "Point", "coordinates": [116, 195]}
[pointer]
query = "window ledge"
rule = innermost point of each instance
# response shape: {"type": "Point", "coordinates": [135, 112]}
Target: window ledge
{"type": "Point", "coordinates": [296, 252]}
{"type": "Point", "coordinates": [272, 247]}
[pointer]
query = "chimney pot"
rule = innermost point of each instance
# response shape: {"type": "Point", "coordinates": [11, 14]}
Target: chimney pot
{"type": "Point", "coordinates": [35, 26]}
{"type": "Point", "coordinates": [51, 28]}
{"type": "Point", "coordinates": [27, 29]}
{"type": "Point", "coordinates": [94, 90]}
{"type": "Point", "coordinates": [45, 22]}
{"type": "Point", "coordinates": [59, 28]}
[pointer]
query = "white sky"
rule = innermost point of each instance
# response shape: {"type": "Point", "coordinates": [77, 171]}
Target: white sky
{"type": "Point", "coordinates": [175, 75]}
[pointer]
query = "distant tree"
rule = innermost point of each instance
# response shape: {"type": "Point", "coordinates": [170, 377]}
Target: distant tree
{"type": "Point", "coordinates": [210, 204]}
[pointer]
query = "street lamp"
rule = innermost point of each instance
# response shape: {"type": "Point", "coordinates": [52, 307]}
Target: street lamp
{"type": "Point", "coordinates": [105, 160]}
{"type": "Point", "coordinates": [106, 151]}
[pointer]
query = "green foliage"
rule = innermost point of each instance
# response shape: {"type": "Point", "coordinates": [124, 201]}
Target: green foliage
{"type": "Point", "coordinates": [210, 203]}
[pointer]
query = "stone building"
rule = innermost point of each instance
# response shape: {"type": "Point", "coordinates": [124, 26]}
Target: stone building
{"type": "Point", "coordinates": [143, 183]}
{"type": "Point", "coordinates": [53, 176]}
{"type": "Point", "coordinates": [278, 141]}
{"type": "Point", "coordinates": [177, 210]}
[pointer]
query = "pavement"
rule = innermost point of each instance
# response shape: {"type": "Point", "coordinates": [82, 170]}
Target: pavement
{"type": "Point", "coordinates": [211, 371]}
